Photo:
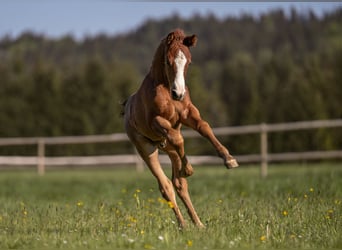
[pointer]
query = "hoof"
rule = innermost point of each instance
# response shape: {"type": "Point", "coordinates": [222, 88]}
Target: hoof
{"type": "Point", "coordinates": [232, 163]}
{"type": "Point", "coordinates": [200, 225]}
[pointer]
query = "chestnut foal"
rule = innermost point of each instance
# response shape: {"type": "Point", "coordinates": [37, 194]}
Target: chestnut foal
{"type": "Point", "coordinates": [154, 115]}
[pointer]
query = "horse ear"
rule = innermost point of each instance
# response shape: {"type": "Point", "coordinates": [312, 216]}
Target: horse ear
{"type": "Point", "coordinates": [170, 38]}
{"type": "Point", "coordinates": [190, 41]}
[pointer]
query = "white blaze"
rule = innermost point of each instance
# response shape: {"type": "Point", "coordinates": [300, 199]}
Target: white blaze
{"type": "Point", "coordinates": [179, 83]}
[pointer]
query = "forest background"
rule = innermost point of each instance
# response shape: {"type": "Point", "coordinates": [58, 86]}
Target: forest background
{"type": "Point", "coordinates": [245, 70]}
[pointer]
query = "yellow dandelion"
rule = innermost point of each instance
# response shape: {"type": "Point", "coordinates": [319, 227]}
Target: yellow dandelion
{"type": "Point", "coordinates": [80, 204]}
{"type": "Point", "coordinates": [148, 246]}
{"type": "Point", "coordinates": [285, 213]}
{"type": "Point", "coordinates": [305, 196]}
{"type": "Point", "coordinates": [311, 190]}
{"type": "Point", "coordinates": [189, 243]}
{"type": "Point", "coordinates": [132, 219]}
{"type": "Point", "coordinates": [161, 200]}
{"type": "Point", "coordinates": [24, 212]}
{"type": "Point", "coordinates": [263, 238]}
{"type": "Point", "coordinates": [137, 190]}
{"type": "Point", "coordinates": [329, 214]}
{"type": "Point", "coordinates": [170, 204]}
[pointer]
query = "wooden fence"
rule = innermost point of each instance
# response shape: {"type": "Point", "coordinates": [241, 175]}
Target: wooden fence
{"type": "Point", "coordinates": [41, 160]}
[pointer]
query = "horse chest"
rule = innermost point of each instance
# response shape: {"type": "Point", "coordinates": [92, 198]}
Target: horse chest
{"type": "Point", "coordinates": [175, 113]}
{"type": "Point", "coordinates": [169, 112]}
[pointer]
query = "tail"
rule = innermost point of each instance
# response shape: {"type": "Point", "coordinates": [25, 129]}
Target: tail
{"type": "Point", "coordinates": [123, 105]}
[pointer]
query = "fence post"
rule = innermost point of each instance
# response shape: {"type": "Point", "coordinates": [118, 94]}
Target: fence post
{"type": "Point", "coordinates": [264, 149]}
{"type": "Point", "coordinates": [41, 157]}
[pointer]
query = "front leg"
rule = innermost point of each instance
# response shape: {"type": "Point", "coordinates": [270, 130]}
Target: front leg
{"type": "Point", "coordinates": [173, 136]}
{"type": "Point", "coordinates": [193, 120]}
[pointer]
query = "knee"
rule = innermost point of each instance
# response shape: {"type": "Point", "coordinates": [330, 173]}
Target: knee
{"type": "Point", "coordinates": [176, 139]}
{"type": "Point", "coordinates": [166, 189]}
{"type": "Point", "coordinates": [180, 185]}
{"type": "Point", "coordinates": [203, 127]}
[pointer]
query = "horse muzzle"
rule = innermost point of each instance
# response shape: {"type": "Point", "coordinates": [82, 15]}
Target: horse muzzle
{"type": "Point", "coordinates": [177, 96]}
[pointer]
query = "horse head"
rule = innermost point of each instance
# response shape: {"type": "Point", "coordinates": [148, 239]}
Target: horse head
{"type": "Point", "coordinates": [176, 58]}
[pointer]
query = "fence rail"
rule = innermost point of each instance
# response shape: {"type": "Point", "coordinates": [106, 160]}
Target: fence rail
{"type": "Point", "coordinates": [41, 160]}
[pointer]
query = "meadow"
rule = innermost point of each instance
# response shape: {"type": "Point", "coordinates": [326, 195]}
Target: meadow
{"type": "Point", "coordinates": [298, 206]}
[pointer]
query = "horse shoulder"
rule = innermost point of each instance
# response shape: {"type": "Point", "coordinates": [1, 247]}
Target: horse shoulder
{"type": "Point", "coordinates": [162, 103]}
{"type": "Point", "coordinates": [189, 112]}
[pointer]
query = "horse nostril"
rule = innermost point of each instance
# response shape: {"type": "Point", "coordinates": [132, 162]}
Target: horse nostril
{"type": "Point", "coordinates": [175, 96]}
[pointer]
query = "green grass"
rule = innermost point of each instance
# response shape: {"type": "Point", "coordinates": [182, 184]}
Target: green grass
{"type": "Point", "coordinates": [296, 206]}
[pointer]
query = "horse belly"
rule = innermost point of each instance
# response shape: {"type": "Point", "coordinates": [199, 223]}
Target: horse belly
{"type": "Point", "coordinates": [137, 119]}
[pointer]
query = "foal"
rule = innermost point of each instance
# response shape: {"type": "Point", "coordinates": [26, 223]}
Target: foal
{"type": "Point", "coordinates": [155, 113]}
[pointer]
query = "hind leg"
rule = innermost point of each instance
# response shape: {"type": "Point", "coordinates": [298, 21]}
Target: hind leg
{"type": "Point", "coordinates": [181, 185]}
{"type": "Point", "coordinates": [149, 154]}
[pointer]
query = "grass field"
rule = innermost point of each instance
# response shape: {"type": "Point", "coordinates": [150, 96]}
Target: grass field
{"type": "Point", "coordinates": [296, 206]}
